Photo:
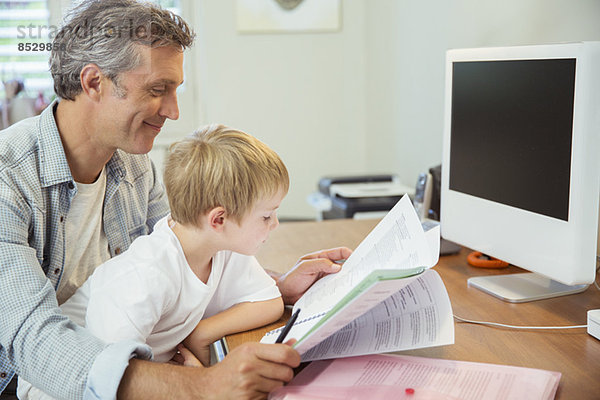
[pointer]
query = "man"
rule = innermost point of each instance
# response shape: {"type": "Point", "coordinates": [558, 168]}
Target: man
{"type": "Point", "coordinates": [76, 187]}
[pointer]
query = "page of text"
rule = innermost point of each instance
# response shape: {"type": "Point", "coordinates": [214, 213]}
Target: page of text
{"type": "Point", "coordinates": [418, 315]}
{"type": "Point", "coordinates": [397, 242]}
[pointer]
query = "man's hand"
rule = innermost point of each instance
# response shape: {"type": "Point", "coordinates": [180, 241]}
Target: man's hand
{"type": "Point", "coordinates": [250, 371]}
{"type": "Point", "coordinates": [308, 270]}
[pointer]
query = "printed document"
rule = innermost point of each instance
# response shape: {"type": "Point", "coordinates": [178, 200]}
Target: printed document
{"type": "Point", "coordinates": [385, 298]}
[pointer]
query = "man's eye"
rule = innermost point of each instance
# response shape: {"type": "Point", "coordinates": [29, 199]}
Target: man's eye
{"type": "Point", "coordinates": [157, 91]}
{"type": "Point", "coordinates": [267, 218]}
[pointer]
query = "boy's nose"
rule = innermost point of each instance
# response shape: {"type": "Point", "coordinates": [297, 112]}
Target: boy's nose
{"type": "Point", "coordinates": [275, 223]}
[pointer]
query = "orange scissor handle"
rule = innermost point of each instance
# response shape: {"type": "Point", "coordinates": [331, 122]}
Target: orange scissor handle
{"type": "Point", "coordinates": [477, 259]}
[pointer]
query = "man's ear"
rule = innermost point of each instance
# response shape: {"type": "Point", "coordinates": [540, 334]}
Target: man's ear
{"type": "Point", "coordinates": [93, 81]}
{"type": "Point", "coordinates": [216, 218]}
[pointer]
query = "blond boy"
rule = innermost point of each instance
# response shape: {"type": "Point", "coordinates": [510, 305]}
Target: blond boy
{"type": "Point", "coordinates": [194, 278]}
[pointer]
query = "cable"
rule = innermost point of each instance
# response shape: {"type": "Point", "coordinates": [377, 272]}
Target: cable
{"type": "Point", "coordinates": [460, 319]}
{"type": "Point", "coordinates": [597, 268]}
{"type": "Point", "coordinates": [470, 321]}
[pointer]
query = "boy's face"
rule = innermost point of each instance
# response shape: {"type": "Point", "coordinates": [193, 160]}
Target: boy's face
{"type": "Point", "coordinates": [253, 230]}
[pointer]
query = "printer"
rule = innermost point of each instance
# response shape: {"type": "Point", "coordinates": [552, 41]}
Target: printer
{"type": "Point", "coordinates": [364, 196]}
{"type": "Point", "coordinates": [372, 196]}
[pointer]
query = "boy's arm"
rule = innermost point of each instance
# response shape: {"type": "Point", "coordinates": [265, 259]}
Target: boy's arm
{"type": "Point", "coordinates": [238, 318]}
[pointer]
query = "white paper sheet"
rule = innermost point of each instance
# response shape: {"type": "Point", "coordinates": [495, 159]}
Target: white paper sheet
{"type": "Point", "coordinates": [397, 242]}
{"type": "Point", "coordinates": [417, 312]}
{"type": "Point", "coordinates": [417, 316]}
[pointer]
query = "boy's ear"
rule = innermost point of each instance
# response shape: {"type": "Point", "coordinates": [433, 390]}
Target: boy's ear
{"type": "Point", "coordinates": [216, 218]}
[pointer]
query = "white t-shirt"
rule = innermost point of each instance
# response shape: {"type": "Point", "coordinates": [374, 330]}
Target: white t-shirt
{"type": "Point", "coordinates": [150, 294]}
{"type": "Point", "coordinates": [88, 246]}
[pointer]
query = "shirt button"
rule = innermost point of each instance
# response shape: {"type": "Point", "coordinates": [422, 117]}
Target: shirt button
{"type": "Point", "coordinates": [118, 250]}
{"type": "Point", "coordinates": [57, 271]}
{"type": "Point", "coordinates": [62, 218]}
{"type": "Point", "coordinates": [2, 375]}
{"type": "Point", "coordinates": [71, 186]}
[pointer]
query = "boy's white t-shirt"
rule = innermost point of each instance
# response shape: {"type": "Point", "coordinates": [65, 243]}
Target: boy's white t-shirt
{"type": "Point", "coordinates": [150, 294]}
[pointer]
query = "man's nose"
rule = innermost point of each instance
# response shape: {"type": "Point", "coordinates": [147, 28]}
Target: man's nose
{"type": "Point", "coordinates": [169, 108]}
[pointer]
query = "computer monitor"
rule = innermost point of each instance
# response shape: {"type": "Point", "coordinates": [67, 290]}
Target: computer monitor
{"type": "Point", "coordinates": [521, 164]}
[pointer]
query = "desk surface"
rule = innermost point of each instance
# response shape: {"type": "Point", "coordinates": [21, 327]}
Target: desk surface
{"type": "Point", "coordinates": [572, 352]}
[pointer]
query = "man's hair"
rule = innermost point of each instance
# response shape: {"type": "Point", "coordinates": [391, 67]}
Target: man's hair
{"type": "Point", "coordinates": [221, 166]}
{"type": "Point", "coordinates": [107, 33]}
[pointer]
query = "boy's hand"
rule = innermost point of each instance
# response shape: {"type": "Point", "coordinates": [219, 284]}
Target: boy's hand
{"type": "Point", "coordinates": [308, 270]}
{"type": "Point", "coordinates": [185, 357]}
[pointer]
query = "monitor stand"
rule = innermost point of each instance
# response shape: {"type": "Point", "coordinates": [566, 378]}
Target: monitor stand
{"type": "Point", "coordinates": [520, 288]}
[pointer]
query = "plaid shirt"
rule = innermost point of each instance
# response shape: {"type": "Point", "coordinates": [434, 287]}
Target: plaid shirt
{"type": "Point", "coordinates": [36, 189]}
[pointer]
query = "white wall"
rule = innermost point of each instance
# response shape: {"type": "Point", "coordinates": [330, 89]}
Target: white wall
{"type": "Point", "coordinates": [366, 99]}
{"type": "Point", "coordinates": [406, 44]}
{"type": "Point", "coordinates": [302, 94]}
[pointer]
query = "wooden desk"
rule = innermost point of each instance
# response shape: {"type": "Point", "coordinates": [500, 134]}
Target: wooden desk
{"type": "Point", "coordinates": [572, 352]}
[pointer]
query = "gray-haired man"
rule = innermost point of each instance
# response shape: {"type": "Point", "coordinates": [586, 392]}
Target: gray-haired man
{"type": "Point", "coordinates": [76, 187]}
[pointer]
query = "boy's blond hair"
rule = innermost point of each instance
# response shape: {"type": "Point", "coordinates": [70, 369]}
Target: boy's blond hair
{"type": "Point", "coordinates": [221, 166]}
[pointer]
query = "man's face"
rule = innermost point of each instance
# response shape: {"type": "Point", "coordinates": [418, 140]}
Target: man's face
{"type": "Point", "coordinates": [132, 122]}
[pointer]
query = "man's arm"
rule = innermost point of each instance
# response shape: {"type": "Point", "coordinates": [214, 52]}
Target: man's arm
{"type": "Point", "coordinates": [249, 371]}
{"type": "Point", "coordinates": [241, 317]}
{"type": "Point", "coordinates": [309, 269]}
{"type": "Point", "coordinates": [36, 340]}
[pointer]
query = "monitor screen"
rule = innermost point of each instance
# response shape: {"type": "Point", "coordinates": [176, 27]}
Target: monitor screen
{"type": "Point", "coordinates": [520, 169]}
{"type": "Point", "coordinates": [513, 119]}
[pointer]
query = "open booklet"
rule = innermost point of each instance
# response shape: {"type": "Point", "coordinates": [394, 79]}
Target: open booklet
{"type": "Point", "coordinates": [385, 298]}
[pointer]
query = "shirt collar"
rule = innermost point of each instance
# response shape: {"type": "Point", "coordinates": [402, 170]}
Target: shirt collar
{"type": "Point", "coordinates": [115, 167]}
{"type": "Point", "coordinates": [54, 168]}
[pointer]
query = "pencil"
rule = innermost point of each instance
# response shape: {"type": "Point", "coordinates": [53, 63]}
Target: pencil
{"type": "Point", "coordinates": [287, 327]}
